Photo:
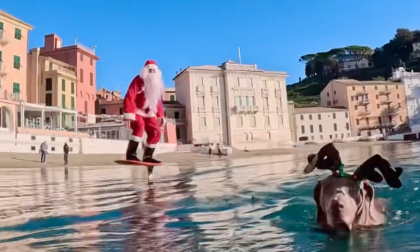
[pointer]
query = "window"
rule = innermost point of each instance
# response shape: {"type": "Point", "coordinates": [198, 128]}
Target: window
{"type": "Point", "coordinates": [48, 99]}
{"type": "Point", "coordinates": [302, 128]}
{"type": "Point", "coordinates": [396, 86]}
{"type": "Point", "coordinates": [16, 62]}
{"type": "Point", "coordinates": [367, 121]}
{"type": "Point", "coordinates": [201, 102]}
{"type": "Point", "coordinates": [267, 121]}
{"type": "Point", "coordinates": [1, 56]}
{"type": "Point", "coordinates": [91, 79]}
{"type": "Point", "coordinates": [121, 111]}
{"type": "Point", "coordinates": [321, 137]}
{"type": "Point", "coordinates": [347, 115]}
{"type": "Point", "coordinates": [48, 84]}
{"type": "Point", "coordinates": [265, 102]}
{"type": "Point", "coordinates": [103, 111]}
{"type": "Point", "coordinates": [63, 101]}
{"type": "Point", "coordinates": [320, 128]}
{"type": "Point", "coordinates": [16, 88]}
{"type": "Point", "coordinates": [81, 57]}
{"type": "Point", "coordinates": [176, 114]}
{"type": "Point", "coordinates": [172, 98]}
{"type": "Point", "coordinates": [319, 116]}
{"type": "Point", "coordinates": [335, 127]}
{"type": "Point", "coordinates": [301, 117]}
{"type": "Point", "coordinates": [72, 87]}
{"type": "Point", "coordinates": [250, 101]}
{"type": "Point", "coordinates": [353, 88]}
{"type": "Point", "coordinates": [18, 34]}
{"type": "Point", "coordinates": [238, 101]}
{"type": "Point", "coordinates": [347, 126]}
{"type": "Point", "coordinates": [216, 101]}
{"type": "Point", "coordinates": [335, 92]}
{"type": "Point", "coordinates": [355, 107]}
{"type": "Point", "coordinates": [1, 26]}
{"type": "Point", "coordinates": [377, 106]}
{"type": "Point", "coordinates": [81, 75]}
{"type": "Point", "coordinates": [239, 121]}
{"type": "Point", "coordinates": [217, 122]}
{"type": "Point", "coordinates": [310, 117]}
{"type": "Point", "coordinates": [86, 107]}
{"type": "Point", "coordinates": [333, 115]}
{"type": "Point", "coordinates": [63, 85]}
{"type": "Point", "coordinates": [91, 61]}
{"type": "Point", "coordinates": [72, 103]}
{"type": "Point", "coordinates": [357, 121]}
{"type": "Point", "coordinates": [398, 95]}
{"type": "Point", "coordinates": [311, 128]}
{"type": "Point", "coordinates": [377, 97]}
{"type": "Point", "coordinates": [328, 94]}
{"type": "Point", "coordinates": [252, 121]}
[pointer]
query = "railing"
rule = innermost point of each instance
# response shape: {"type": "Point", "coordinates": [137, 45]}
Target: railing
{"type": "Point", "coordinates": [385, 101]}
{"type": "Point", "coordinates": [70, 70]}
{"type": "Point", "coordinates": [216, 110]}
{"type": "Point", "coordinates": [384, 91]}
{"type": "Point", "coordinates": [6, 95]}
{"type": "Point", "coordinates": [363, 101]}
{"type": "Point", "coordinates": [89, 49]}
{"type": "Point", "coordinates": [363, 113]}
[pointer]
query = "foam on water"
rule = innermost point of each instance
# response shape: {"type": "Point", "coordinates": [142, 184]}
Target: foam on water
{"type": "Point", "coordinates": [258, 204]}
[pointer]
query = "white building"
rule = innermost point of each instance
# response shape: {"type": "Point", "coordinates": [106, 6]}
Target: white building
{"type": "Point", "coordinates": [235, 104]}
{"type": "Point", "coordinates": [411, 82]}
{"type": "Point", "coordinates": [321, 124]}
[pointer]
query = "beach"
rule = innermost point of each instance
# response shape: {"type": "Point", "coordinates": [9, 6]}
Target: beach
{"type": "Point", "coordinates": [29, 160]}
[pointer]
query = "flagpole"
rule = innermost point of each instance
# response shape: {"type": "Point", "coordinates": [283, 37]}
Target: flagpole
{"type": "Point", "coordinates": [239, 54]}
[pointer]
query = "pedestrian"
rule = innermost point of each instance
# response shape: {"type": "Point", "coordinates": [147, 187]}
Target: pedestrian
{"type": "Point", "coordinates": [43, 150]}
{"type": "Point", "coordinates": [66, 150]}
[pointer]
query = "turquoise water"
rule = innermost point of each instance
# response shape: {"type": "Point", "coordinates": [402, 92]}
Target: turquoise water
{"type": "Point", "coordinates": [255, 204]}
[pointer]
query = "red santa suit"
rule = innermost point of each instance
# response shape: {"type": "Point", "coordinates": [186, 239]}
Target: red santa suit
{"type": "Point", "coordinates": [144, 109]}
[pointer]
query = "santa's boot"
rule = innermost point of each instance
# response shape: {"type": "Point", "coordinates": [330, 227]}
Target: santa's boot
{"type": "Point", "coordinates": [131, 153]}
{"type": "Point", "coordinates": [148, 156]}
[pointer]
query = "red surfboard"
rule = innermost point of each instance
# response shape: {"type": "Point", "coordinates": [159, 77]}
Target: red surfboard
{"type": "Point", "coordinates": [132, 162]}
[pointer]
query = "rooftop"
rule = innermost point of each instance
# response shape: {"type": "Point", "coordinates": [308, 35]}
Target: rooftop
{"type": "Point", "coordinates": [352, 82]}
{"type": "Point", "coordinates": [7, 15]}
{"type": "Point", "coordinates": [228, 65]}
{"type": "Point", "coordinates": [310, 110]}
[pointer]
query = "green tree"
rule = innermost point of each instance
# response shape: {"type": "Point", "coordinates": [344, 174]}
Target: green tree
{"type": "Point", "coordinates": [359, 53]}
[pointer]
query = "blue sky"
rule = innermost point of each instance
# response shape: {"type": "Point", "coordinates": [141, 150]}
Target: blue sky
{"type": "Point", "coordinates": [272, 34]}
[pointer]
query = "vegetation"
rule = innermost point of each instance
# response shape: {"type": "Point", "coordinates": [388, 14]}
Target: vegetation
{"type": "Point", "coordinates": [321, 67]}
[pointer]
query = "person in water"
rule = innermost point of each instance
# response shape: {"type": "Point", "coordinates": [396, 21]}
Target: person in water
{"type": "Point", "coordinates": [144, 109]}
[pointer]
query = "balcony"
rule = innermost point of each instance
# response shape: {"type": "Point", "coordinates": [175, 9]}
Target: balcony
{"type": "Point", "coordinates": [386, 102]}
{"type": "Point", "coordinates": [199, 90]}
{"type": "Point", "coordinates": [363, 102]}
{"type": "Point", "coordinates": [239, 109]}
{"type": "Point", "coordinates": [363, 92]}
{"type": "Point", "coordinates": [277, 93]}
{"type": "Point", "coordinates": [364, 113]}
{"type": "Point", "coordinates": [214, 90]}
{"type": "Point", "coordinates": [384, 91]}
{"type": "Point", "coordinates": [216, 110]}
{"type": "Point", "coordinates": [3, 38]}
{"type": "Point", "coordinates": [6, 95]}
{"type": "Point", "coordinates": [264, 92]}
{"type": "Point", "coordinates": [389, 111]}
{"type": "Point", "coordinates": [266, 110]}
{"type": "Point", "coordinates": [252, 109]}
{"type": "Point", "coordinates": [3, 71]}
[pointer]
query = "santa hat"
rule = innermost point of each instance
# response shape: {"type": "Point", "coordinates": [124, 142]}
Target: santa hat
{"type": "Point", "coordinates": [150, 62]}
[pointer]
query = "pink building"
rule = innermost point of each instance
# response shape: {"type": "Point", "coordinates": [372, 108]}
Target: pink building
{"type": "Point", "coordinates": [84, 59]}
{"type": "Point", "coordinates": [169, 94]}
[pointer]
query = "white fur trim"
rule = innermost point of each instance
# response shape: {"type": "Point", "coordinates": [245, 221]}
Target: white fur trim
{"type": "Point", "coordinates": [129, 116]}
{"type": "Point", "coordinates": [136, 138]}
{"type": "Point", "coordinates": [150, 145]}
{"type": "Point", "coordinates": [142, 113]}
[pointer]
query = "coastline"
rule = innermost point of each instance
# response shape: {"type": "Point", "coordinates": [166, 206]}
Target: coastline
{"type": "Point", "coordinates": [29, 160]}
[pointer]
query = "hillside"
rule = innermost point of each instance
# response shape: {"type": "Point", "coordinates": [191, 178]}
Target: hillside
{"type": "Point", "coordinates": [321, 67]}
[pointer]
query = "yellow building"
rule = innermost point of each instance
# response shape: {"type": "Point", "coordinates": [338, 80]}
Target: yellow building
{"type": "Point", "coordinates": [52, 83]}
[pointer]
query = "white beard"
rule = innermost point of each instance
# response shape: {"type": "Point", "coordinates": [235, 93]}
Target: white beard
{"type": "Point", "coordinates": [153, 88]}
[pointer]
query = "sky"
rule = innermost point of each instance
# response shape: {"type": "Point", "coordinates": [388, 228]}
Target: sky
{"type": "Point", "coordinates": [181, 33]}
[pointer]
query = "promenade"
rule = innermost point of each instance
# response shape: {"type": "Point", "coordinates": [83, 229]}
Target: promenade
{"type": "Point", "coordinates": [26, 160]}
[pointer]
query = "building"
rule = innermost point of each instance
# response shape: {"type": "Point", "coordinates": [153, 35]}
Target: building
{"type": "Point", "coordinates": [411, 81]}
{"type": "Point", "coordinates": [374, 107]}
{"type": "Point", "coordinates": [169, 95]}
{"type": "Point", "coordinates": [235, 104]}
{"type": "Point", "coordinates": [84, 59]}
{"type": "Point", "coordinates": [349, 63]}
{"type": "Point", "coordinates": [415, 54]}
{"type": "Point", "coordinates": [321, 124]}
{"type": "Point", "coordinates": [108, 95]}
{"type": "Point", "coordinates": [176, 111]}
{"type": "Point", "coordinates": [14, 34]}
{"type": "Point", "coordinates": [52, 83]}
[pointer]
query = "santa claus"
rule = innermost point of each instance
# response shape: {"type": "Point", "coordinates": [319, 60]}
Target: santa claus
{"type": "Point", "coordinates": [143, 108]}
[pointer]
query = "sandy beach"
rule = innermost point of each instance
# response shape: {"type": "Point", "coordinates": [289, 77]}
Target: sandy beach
{"type": "Point", "coordinates": [24, 160]}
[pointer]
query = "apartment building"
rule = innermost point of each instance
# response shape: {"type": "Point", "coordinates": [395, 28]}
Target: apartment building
{"type": "Point", "coordinates": [236, 104]}
{"type": "Point", "coordinates": [108, 95]}
{"type": "Point", "coordinates": [169, 95]}
{"type": "Point", "coordinates": [374, 107]}
{"type": "Point", "coordinates": [14, 35]}
{"type": "Point", "coordinates": [84, 59]}
{"type": "Point", "coordinates": [321, 124]}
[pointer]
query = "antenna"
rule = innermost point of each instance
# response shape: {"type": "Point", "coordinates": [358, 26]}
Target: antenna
{"type": "Point", "coordinates": [75, 40]}
{"type": "Point", "coordinates": [239, 54]}
{"type": "Point", "coordinates": [94, 49]}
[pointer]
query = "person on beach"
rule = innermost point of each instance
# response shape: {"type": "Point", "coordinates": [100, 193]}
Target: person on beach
{"type": "Point", "coordinates": [43, 150]}
{"type": "Point", "coordinates": [144, 109]}
{"type": "Point", "coordinates": [66, 150]}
